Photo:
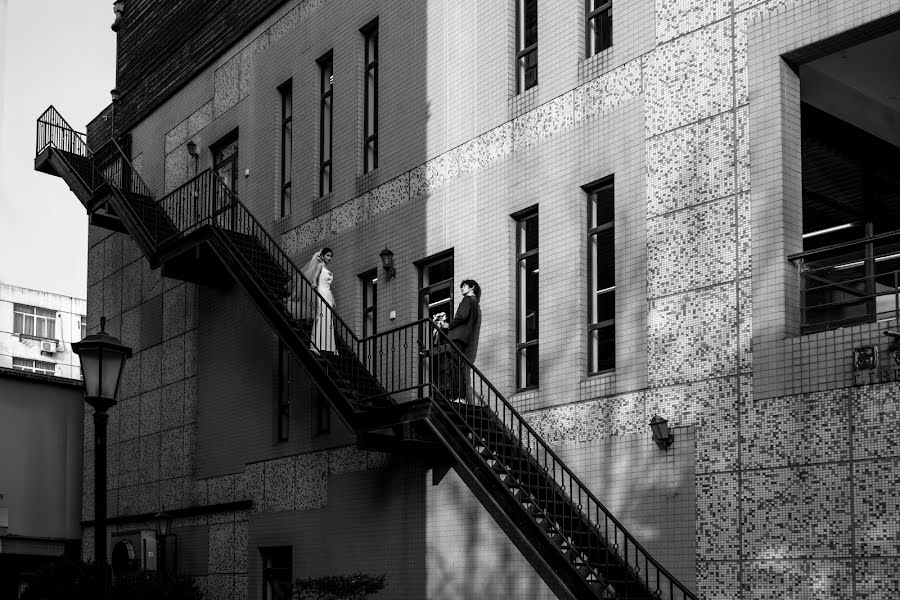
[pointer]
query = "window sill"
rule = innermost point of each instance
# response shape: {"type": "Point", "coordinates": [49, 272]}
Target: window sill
{"type": "Point", "coordinates": [367, 181]}
{"type": "Point", "coordinates": [25, 336]}
{"type": "Point", "coordinates": [597, 385]}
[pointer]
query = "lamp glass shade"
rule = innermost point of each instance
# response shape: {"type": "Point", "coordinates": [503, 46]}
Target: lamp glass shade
{"type": "Point", "coordinates": [660, 427]}
{"type": "Point", "coordinates": [101, 369]}
{"type": "Point", "coordinates": [102, 357]}
{"type": "Point", "coordinates": [90, 370]}
{"type": "Point", "coordinates": [111, 363]}
{"type": "Point", "coordinates": [387, 259]}
{"type": "Point", "coordinates": [163, 523]}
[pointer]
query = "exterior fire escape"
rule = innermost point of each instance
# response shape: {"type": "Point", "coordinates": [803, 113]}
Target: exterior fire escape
{"type": "Point", "coordinates": [386, 387]}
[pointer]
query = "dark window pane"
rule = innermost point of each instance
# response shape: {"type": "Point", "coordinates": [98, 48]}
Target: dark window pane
{"type": "Point", "coordinates": [527, 361]}
{"type": "Point", "coordinates": [603, 349]}
{"type": "Point", "coordinates": [530, 22]}
{"type": "Point", "coordinates": [605, 267]}
{"type": "Point", "coordinates": [440, 271]}
{"type": "Point", "coordinates": [529, 275]}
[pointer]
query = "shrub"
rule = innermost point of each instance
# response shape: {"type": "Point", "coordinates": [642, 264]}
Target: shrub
{"type": "Point", "coordinates": [355, 586]}
{"type": "Point", "coordinates": [75, 580]}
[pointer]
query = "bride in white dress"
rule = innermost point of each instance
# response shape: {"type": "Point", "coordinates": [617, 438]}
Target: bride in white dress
{"type": "Point", "coordinates": [320, 276]}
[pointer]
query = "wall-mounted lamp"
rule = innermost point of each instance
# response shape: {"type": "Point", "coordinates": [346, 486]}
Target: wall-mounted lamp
{"type": "Point", "coordinates": [192, 150]}
{"type": "Point", "coordinates": [387, 262]}
{"type": "Point", "coordinates": [114, 94]}
{"type": "Point", "coordinates": [662, 435]}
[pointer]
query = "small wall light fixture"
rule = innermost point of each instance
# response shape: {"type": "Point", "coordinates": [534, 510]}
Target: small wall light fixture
{"type": "Point", "coordinates": [192, 148]}
{"type": "Point", "coordinates": [114, 94]}
{"type": "Point", "coordinates": [387, 262]}
{"type": "Point", "coordinates": [662, 435]}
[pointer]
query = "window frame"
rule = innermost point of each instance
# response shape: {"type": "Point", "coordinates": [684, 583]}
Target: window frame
{"type": "Point", "coordinates": [426, 287]}
{"type": "Point", "coordinates": [595, 229]}
{"type": "Point", "coordinates": [592, 15]}
{"type": "Point", "coordinates": [369, 282]}
{"type": "Point", "coordinates": [46, 368]}
{"type": "Point", "coordinates": [49, 319]}
{"type": "Point", "coordinates": [225, 141]}
{"type": "Point", "coordinates": [286, 94]}
{"type": "Point", "coordinates": [526, 380]}
{"type": "Point", "coordinates": [268, 555]}
{"type": "Point", "coordinates": [323, 414]}
{"type": "Point", "coordinates": [282, 412]}
{"type": "Point", "coordinates": [523, 51]}
{"type": "Point", "coordinates": [326, 112]}
{"type": "Point", "coordinates": [370, 95]}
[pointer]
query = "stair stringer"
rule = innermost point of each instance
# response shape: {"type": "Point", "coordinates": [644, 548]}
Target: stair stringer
{"type": "Point", "coordinates": [524, 532]}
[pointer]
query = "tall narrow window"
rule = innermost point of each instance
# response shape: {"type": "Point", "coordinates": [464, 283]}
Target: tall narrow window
{"type": "Point", "coordinates": [34, 321]}
{"type": "Point", "coordinates": [370, 347]}
{"type": "Point", "coordinates": [370, 118]}
{"type": "Point", "coordinates": [225, 160]}
{"type": "Point", "coordinates": [287, 96]}
{"type": "Point", "coordinates": [369, 281]}
{"type": "Point", "coordinates": [323, 414]}
{"type": "Point", "coordinates": [597, 26]}
{"type": "Point", "coordinates": [283, 398]}
{"type": "Point", "coordinates": [601, 278]}
{"type": "Point", "coordinates": [326, 94]}
{"type": "Point", "coordinates": [526, 45]}
{"type": "Point", "coordinates": [276, 573]}
{"type": "Point", "coordinates": [527, 273]}
{"type": "Point", "coordinates": [436, 286]}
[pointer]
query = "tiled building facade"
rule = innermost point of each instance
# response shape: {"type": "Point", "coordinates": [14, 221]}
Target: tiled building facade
{"type": "Point", "coordinates": [780, 479]}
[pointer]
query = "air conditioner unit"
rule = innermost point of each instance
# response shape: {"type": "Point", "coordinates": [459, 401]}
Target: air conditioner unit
{"type": "Point", "coordinates": [133, 551]}
{"type": "Point", "coordinates": [48, 347]}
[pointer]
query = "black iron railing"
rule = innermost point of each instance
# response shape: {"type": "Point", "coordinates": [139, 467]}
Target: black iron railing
{"type": "Point", "coordinates": [54, 131]}
{"type": "Point", "coordinates": [440, 371]}
{"type": "Point", "coordinates": [411, 361]}
{"type": "Point", "coordinates": [850, 283]}
{"type": "Point", "coordinates": [207, 200]}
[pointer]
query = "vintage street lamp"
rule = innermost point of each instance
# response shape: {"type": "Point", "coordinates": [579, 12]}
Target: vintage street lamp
{"type": "Point", "coordinates": [387, 262]}
{"type": "Point", "coordinates": [102, 358]}
{"type": "Point", "coordinates": [163, 531]}
{"type": "Point", "coordinates": [662, 435]}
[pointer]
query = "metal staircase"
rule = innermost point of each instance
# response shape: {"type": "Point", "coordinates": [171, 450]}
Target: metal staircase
{"type": "Point", "coordinates": [394, 388]}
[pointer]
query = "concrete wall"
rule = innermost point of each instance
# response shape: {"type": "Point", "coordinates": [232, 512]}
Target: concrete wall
{"type": "Point", "coordinates": [40, 456]}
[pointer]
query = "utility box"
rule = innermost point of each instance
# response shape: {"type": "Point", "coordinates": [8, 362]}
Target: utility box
{"type": "Point", "coordinates": [134, 551]}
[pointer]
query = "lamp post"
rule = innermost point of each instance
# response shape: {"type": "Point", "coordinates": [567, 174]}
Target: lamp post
{"type": "Point", "coordinates": [163, 530]}
{"type": "Point", "coordinates": [102, 357]}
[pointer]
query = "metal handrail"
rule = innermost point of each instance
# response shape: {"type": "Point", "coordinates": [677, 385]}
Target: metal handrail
{"type": "Point", "coordinates": [484, 393]}
{"type": "Point", "coordinates": [234, 216]}
{"type": "Point", "coordinates": [840, 285]}
{"type": "Point", "coordinates": [843, 245]}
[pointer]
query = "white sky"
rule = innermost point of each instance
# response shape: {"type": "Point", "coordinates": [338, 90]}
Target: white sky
{"type": "Point", "coordinates": [59, 52]}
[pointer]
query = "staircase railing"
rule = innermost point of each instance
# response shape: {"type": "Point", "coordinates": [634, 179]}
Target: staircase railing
{"type": "Point", "coordinates": [207, 200]}
{"type": "Point", "coordinates": [444, 373]}
{"type": "Point", "coordinates": [414, 360]}
{"type": "Point", "coordinates": [108, 165]}
{"type": "Point", "coordinates": [54, 131]}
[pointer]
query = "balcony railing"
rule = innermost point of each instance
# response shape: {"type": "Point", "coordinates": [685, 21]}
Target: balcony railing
{"type": "Point", "coordinates": [850, 283]}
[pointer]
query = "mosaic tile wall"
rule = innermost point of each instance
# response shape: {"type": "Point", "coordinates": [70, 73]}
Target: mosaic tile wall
{"type": "Point", "coordinates": [791, 476]}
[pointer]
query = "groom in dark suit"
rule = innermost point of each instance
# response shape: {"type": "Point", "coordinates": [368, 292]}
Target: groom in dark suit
{"type": "Point", "coordinates": [463, 330]}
